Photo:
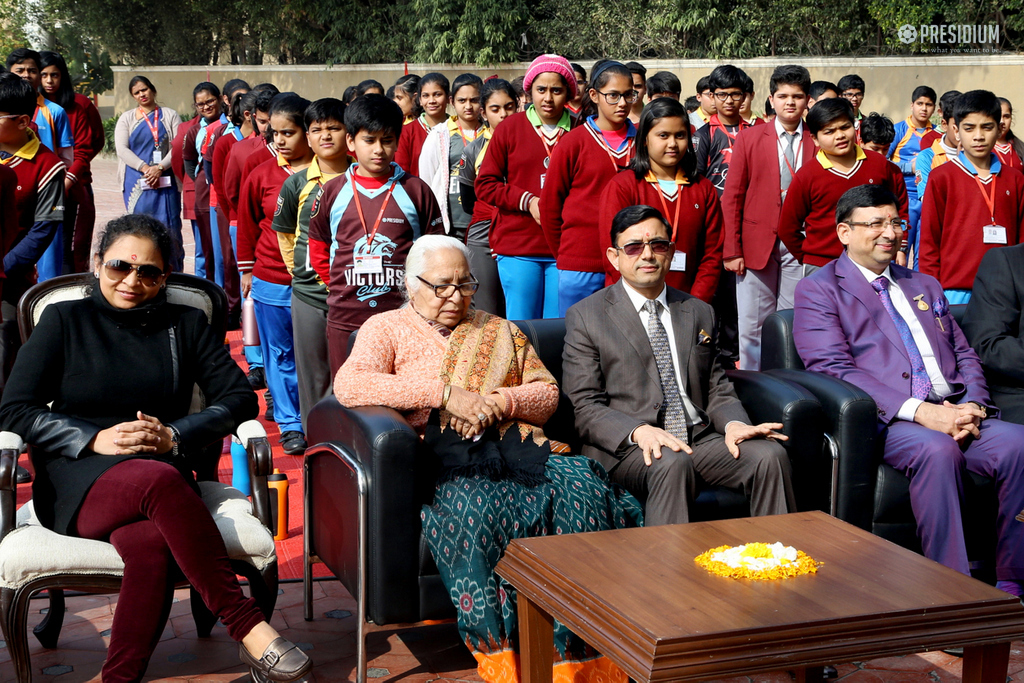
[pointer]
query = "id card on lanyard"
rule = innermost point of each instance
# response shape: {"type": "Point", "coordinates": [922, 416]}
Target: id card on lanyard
{"type": "Point", "coordinates": [154, 129]}
{"type": "Point", "coordinates": [992, 233]}
{"type": "Point", "coordinates": [547, 150]}
{"type": "Point", "coordinates": [369, 264]}
{"type": "Point", "coordinates": [679, 257]}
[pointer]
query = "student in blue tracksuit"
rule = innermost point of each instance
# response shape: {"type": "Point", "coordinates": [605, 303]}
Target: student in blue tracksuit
{"type": "Point", "coordinates": [907, 145]}
{"type": "Point", "coordinates": [54, 130]}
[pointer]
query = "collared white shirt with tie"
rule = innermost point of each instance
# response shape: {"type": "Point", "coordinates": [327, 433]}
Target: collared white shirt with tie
{"type": "Point", "coordinates": [940, 387]}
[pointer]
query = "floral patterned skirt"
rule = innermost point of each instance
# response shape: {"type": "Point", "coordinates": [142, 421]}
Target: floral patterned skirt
{"type": "Point", "coordinates": [468, 527]}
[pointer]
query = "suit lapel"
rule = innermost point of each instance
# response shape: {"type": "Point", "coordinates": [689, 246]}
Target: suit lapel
{"type": "Point", "coordinates": [772, 146]}
{"type": "Point", "coordinates": [852, 281]}
{"type": "Point", "coordinates": [625, 317]}
{"type": "Point", "coordinates": [807, 147]}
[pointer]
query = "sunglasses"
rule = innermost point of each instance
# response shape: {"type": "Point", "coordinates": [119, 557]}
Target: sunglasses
{"type": "Point", "coordinates": [633, 249]}
{"type": "Point", "coordinates": [118, 270]}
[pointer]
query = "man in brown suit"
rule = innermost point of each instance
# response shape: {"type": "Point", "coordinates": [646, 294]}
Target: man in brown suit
{"type": "Point", "coordinates": [654, 428]}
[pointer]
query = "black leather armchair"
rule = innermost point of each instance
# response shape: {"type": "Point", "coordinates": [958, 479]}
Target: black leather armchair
{"type": "Point", "coordinates": [867, 492]}
{"type": "Point", "coordinates": [368, 476]}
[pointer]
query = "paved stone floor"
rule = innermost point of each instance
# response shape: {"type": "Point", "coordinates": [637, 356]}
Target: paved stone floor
{"type": "Point", "coordinates": [431, 653]}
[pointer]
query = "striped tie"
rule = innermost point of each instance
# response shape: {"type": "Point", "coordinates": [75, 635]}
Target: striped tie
{"type": "Point", "coordinates": [673, 418]}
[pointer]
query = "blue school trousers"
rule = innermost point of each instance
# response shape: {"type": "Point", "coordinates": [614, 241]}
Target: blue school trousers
{"type": "Point", "coordinates": [274, 317]}
{"type": "Point", "coordinates": [530, 285]}
{"type": "Point", "coordinates": [575, 286]}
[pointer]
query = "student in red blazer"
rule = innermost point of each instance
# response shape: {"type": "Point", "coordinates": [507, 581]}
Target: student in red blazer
{"type": "Point", "coordinates": [766, 273]}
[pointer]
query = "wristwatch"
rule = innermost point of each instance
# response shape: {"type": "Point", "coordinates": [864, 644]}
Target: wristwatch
{"type": "Point", "coordinates": [175, 440]}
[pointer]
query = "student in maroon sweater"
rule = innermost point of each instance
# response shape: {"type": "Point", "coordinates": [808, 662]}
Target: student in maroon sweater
{"type": "Point", "coordinates": [971, 204]}
{"type": "Point", "coordinates": [256, 143]}
{"type": "Point", "coordinates": [511, 178]}
{"type": "Point", "coordinates": [434, 93]}
{"type": "Point", "coordinates": [363, 223]}
{"type": "Point", "coordinates": [87, 128]}
{"type": "Point", "coordinates": [581, 168]}
{"type": "Point", "coordinates": [664, 175]}
{"type": "Point", "coordinates": [807, 225]}
{"type": "Point", "coordinates": [264, 273]}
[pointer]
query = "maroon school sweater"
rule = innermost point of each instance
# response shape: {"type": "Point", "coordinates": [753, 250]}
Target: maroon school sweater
{"type": "Point", "coordinates": [807, 225]}
{"type": "Point", "coordinates": [258, 248]}
{"type": "Point", "coordinates": [953, 216]}
{"type": "Point", "coordinates": [581, 168]}
{"type": "Point", "coordinates": [697, 232]}
{"type": "Point", "coordinates": [410, 144]}
{"type": "Point", "coordinates": [510, 177]}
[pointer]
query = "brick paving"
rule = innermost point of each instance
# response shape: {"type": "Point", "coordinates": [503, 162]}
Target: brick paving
{"type": "Point", "coordinates": [430, 653]}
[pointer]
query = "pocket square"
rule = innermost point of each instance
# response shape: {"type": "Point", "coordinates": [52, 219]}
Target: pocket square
{"type": "Point", "coordinates": [703, 338]}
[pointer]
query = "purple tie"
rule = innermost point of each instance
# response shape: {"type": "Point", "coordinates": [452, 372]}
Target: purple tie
{"type": "Point", "coordinates": [920, 385]}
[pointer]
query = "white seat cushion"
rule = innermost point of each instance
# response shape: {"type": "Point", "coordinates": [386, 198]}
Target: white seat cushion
{"type": "Point", "coordinates": [31, 551]}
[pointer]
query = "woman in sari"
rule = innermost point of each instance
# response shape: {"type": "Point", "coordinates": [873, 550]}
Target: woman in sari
{"type": "Point", "coordinates": [142, 138]}
{"type": "Point", "coordinates": [472, 385]}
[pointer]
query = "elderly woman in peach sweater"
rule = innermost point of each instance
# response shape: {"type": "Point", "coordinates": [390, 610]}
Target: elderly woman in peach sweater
{"type": "Point", "coordinates": [472, 385]}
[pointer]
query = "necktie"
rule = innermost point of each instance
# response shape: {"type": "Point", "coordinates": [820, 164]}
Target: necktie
{"type": "Point", "coordinates": [673, 412]}
{"type": "Point", "coordinates": [787, 151]}
{"type": "Point", "coordinates": [920, 385]}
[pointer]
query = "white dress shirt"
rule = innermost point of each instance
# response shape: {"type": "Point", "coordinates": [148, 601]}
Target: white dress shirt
{"type": "Point", "coordinates": [638, 300]}
{"type": "Point", "coordinates": [940, 387]}
{"type": "Point", "coordinates": [780, 146]}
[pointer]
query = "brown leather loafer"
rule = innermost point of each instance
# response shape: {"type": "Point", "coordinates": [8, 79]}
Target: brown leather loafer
{"type": "Point", "coordinates": [282, 661]}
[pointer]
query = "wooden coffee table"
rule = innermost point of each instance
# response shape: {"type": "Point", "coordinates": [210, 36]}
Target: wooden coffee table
{"type": "Point", "coordinates": [637, 596]}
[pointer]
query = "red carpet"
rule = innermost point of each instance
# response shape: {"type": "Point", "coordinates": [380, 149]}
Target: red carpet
{"type": "Point", "coordinates": [289, 552]}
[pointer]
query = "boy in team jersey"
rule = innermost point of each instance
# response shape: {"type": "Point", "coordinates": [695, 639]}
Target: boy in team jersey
{"type": "Point", "coordinates": [363, 223]}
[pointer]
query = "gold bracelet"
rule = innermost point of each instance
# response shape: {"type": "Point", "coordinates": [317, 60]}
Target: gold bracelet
{"type": "Point", "coordinates": [446, 395]}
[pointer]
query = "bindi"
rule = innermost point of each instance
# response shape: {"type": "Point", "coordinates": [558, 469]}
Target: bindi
{"type": "Point", "coordinates": [134, 257]}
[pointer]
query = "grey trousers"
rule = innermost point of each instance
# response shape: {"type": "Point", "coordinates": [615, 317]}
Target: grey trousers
{"type": "Point", "coordinates": [759, 293]}
{"type": "Point", "coordinates": [490, 296]}
{"type": "Point", "coordinates": [309, 327]}
{"type": "Point", "coordinates": [669, 485]}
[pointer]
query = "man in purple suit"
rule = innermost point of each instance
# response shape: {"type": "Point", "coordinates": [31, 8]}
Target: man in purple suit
{"type": "Point", "coordinates": [888, 330]}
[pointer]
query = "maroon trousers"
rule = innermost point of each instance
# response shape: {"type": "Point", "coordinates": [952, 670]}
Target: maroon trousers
{"type": "Point", "coordinates": [161, 529]}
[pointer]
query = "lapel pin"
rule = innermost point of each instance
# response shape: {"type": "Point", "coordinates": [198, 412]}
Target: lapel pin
{"type": "Point", "coordinates": [921, 305]}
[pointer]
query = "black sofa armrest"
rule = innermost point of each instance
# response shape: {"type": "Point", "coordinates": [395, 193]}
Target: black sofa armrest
{"type": "Point", "coordinates": [400, 476]}
{"type": "Point", "coordinates": [852, 421]}
{"type": "Point", "coordinates": [769, 399]}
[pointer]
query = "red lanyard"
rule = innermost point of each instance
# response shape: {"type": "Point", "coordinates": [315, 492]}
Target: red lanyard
{"type": "Point", "coordinates": [664, 205]}
{"type": "Point", "coordinates": [154, 127]}
{"type": "Point", "coordinates": [543, 141]}
{"type": "Point", "coordinates": [1008, 157]}
{"type": "Point", "coordinates": [465, 142]}
{"type": "Point", "coordinates": [380, 216]}
{"type": "Point", "coordinates": [990, 198]}
{"type": "Point", "coordinates": [611, 157]}
{"type": "Point", "coordinates": [792, 171]}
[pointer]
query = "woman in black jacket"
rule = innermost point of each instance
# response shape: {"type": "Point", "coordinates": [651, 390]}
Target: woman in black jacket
{"type": "Point", "coordinates": [113, 453]}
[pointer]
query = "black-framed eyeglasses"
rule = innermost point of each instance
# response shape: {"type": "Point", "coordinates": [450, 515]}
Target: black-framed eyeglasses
{"type": "Point", "coordinates": [856, 95]}
{"type": "Point", "coordinates": [634, 249]}
{"type": "Point", "coordinates": [734, 96]}
{"type": "Point", "coordinates": [880, 226]}
{"type": "Point", "coordinates": [447, 290]}
{"type": "Point", "coordinates": [614, 97]}
{"type": "Point", "coordinates": [118, 270]}
{"type": "Point", "coordinates": [207, 104]}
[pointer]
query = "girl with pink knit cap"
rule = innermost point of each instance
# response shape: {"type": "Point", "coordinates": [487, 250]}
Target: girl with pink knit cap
{"type": "Point", "coordinates": [511, 179]}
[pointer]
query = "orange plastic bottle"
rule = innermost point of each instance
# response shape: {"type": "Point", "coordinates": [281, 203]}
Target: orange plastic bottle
{"type": "Point", "coordinates": [278, 485]}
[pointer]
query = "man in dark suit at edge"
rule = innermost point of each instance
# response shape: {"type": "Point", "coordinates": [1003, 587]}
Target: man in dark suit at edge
{"type": "Point", "coordinates": [652, 404]}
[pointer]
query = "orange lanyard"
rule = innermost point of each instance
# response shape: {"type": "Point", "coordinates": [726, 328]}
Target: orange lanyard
{"type": "Point", "coordinates": [154, 127]}
{"type": "Point", "coordinates": [792, 171]}
{"type": "Point", "coordinates": [664, 205]}
{"type": "Point", "coordinates": [1006, 158]}
{"type": "Point", "coordinates": [990, 198]}
{"type": "Point", "coordinates": [49, 119]}
{"type": "Point", "coordinates": [380, 216]}
{"type": "Point", "coordinates": [611, 157]}
{"type": "Point", "coordinates": [465, 142]}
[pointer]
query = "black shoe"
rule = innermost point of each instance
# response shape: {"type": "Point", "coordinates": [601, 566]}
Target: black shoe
{"type": "Point", "coordinates": [235, 320]}
{"type": "Point", "coordinates": [257, 380]}
{"type": "Point", "coordinates": [268, 414]}
{"type": "Point", "coordinates": [293, 443]}
{"type": "Point", "coordinates": [23, 476]}
{"type": "Point", "coordinates": [281, 661]}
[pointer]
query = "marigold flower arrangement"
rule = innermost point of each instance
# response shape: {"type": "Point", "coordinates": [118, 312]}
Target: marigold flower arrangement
{"type": "Point", "coordinates": [758, 561]}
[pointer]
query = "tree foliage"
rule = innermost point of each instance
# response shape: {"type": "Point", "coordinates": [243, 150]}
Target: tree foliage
{"type": "Point", "coordinates": [492, 31]}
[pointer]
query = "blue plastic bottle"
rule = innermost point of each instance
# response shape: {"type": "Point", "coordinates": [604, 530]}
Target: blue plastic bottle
{"type": "Point", "coordinates": [240, 468]}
